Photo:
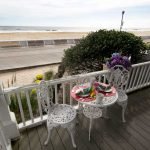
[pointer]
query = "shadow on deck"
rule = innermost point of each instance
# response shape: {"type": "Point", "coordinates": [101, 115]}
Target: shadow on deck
{"type": "Point", "coordinates": [109, 134]}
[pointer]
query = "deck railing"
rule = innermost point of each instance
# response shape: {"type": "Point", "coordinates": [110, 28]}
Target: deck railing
{"type": "Point", "coordinates": [139, 78]}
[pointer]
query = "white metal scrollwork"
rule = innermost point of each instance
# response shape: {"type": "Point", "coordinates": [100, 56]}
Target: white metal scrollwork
{"type": "Point", "coordinates": [58, 114]}
{"type": "Point", "coordinates": [119, 78]}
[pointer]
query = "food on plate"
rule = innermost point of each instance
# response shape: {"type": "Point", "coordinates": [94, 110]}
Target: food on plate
{"type": "Point", "coordinates": [103, 88]}
{"type": "Point", "coordinates": [83, 91]}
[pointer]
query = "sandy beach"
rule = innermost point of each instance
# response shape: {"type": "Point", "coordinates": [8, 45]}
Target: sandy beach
{"type": "Point", "coordinates": [141, 33]}
{"type": "Point", "coordinates": [47, 35]}
{"type": "Point", "coordinates": [25, 76]}
{"type": "Point", "coordinates": [22, 36]}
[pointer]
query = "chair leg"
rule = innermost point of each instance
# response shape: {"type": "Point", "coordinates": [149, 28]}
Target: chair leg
{"type": "Point", "coordinates": [48, 136]}
{"type": "Point", "coordinates": [71, 129]}
{"type": "Point", "coordinates": [90, 128]}
{"type": "Point", "coordinates": [124, 106]}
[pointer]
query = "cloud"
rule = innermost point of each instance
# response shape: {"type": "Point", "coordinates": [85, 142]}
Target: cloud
{"type": "Point", "coordinates": [63, 7]}
{"type": "Point", "coordinates": [64, 10]}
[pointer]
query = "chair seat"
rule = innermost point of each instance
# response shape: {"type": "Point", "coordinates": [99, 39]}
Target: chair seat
{"type": "Point", "coordinates": [92, 112]}
{"type": "Point", "coordinates": [122, 96]}
{"type": "Point", "coordinates": [62, 114]}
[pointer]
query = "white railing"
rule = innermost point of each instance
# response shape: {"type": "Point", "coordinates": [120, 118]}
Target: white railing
{"type": "Point", "coordinates": [139, 78]}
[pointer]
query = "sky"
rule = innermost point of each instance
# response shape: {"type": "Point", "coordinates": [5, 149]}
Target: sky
{"type": "Point", "coordinates": [75, 13]}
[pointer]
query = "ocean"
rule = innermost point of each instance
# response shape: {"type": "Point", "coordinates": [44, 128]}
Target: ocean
{"type": "Point", "coordinates": [45, 28]}
{"type": "Point", "coordinates": [59, 29]}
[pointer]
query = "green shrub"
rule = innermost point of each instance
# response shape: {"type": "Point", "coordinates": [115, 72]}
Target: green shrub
{"type": "Point", "coordinates": [48, 75]}
{"type": "Point", "coordinates": [148, 46]}
{"type": "Point", "coordinates": [14, 106]}
{"type": "Point", "coordinates": [94, 48]}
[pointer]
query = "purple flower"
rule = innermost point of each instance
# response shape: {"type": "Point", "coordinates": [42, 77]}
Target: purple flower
{"type": "Point", "coordinates": [117, 59]}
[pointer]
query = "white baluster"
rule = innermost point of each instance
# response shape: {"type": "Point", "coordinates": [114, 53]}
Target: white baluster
{"type": "Point", "coordinates": [71, 100]}
{"type": "Point", "coordinates": [64, 93]}
{"type": "Point", "coordinates": [20, 108]}
{"type": "Point", "coordinates": [29, 105]}
{"type": "Point", "coordinates": [56, 95]}
{"type": "Point", "coordinates": [39, 105]}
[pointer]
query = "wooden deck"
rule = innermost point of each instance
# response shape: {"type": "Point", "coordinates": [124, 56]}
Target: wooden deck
{"type": "Point", "coordinates": [110, 134]}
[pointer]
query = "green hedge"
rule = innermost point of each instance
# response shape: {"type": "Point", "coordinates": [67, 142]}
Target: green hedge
{"type": "Point", "coordinates": [100, 45]}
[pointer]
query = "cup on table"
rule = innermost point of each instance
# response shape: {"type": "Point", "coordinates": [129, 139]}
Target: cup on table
{"type": "Point", "coordinates": [99, 97]}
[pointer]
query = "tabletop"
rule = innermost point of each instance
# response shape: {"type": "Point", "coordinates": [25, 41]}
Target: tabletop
{"type": "Point", "coordinates": [109, 97]}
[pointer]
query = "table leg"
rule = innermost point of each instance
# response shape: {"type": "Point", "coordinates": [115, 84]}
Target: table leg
{"type": "Point", "coordinates": [80, 108]}
{"type": "Point", "coordinates": [105, 113]}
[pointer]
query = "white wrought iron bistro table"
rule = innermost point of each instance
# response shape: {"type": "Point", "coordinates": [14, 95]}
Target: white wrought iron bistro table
{"type": "Point", "coordinates": [91, 108]}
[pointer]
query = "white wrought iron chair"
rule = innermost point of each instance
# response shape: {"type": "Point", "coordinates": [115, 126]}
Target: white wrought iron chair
{"type": "Point", "coordinates": [119, 78]}
{"type": "Point", "coordinates": [58, 114]}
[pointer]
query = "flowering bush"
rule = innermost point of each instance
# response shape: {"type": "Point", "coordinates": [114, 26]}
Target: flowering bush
{"type": "Point", "coordinates": [117, 59]}
{"type": "Point", "coordinates": [39, 77]}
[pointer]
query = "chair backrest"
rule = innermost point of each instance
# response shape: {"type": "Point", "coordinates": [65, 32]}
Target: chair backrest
{"type": "Point", "coordinates": [46, 96]}
{"type": "Point", "coordinates": [119, 77]}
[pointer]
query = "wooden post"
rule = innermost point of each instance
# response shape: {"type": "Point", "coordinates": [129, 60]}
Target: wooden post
{"type": "Point", "coordinates": [8, 119]}
{"type": "Point", "coordinates": [5, 143]}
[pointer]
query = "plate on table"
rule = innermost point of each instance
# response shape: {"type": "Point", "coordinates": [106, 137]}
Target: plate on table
{"type": "Point", "coordinates": [103, 88]}
{"type": "Point", "coordinates": [83, 91]}
{"type": "Point", "coordinates": [108, 91]}
{"type": "Point", "coordinates": [85, 95]}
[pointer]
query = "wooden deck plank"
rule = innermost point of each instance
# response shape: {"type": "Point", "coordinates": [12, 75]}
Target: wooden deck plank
{"type": "Point", "coordinates": [24, 141]}
{"type": "Point", "coordinates": [142, 125]}
{"type": "Point", "coordinates": [65, 137]}
{"type": "Point", "coordinates": [15, 145]}
{"type": "Point", "coordinates": [100, 127]}
{"type": "Point", "coordinates": [42, 133]}
{"type": "Point", "coordinates": [127, 136]}
{"type": "Point", "coordinates": [122, 129]}
{"type": "Point", "coordinates": [139, 117]}
{"type": "Point", "coordinates": [140, 130]}
{"type": "Point", "coordinates": [80, 140]}
{"type": "Point", "coordinates": [140, 121]}
{"type": "Point", "coordinates": [95, 137]}
{"type": "Point", "coordinates": [116, 136]}
{"type": "Point", "coordinates": [124, 142]}
{"type": "Point", "coordinates": [140, 114]}
{"type": "Point", "coordinates": [139, 138]}
{"type": "Point", "coordinates": [34, 140]}
{"type": "Point", "coordinates": [56, 140]}
{"type": "Point", "coordinates": [83, 130]}
{"type": "Point", "coordinates": [102, 143]}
